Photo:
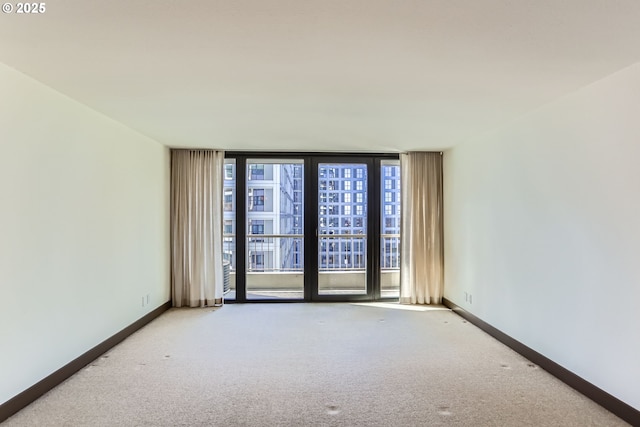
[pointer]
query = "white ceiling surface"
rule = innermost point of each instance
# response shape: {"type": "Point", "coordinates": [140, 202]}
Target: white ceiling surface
{"type": "Point", "coordinates": [316, 75]}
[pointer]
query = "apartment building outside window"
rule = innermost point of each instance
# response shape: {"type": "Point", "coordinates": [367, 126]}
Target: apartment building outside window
{"type": "Point", "coordinates": [274, 195]}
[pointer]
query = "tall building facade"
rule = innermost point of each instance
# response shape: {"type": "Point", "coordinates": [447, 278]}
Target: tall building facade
{"type": "Point", "coordinates": [275, 211]}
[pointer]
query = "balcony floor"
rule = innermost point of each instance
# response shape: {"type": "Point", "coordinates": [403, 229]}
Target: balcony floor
{"type": "Point", "coordinates": [299, 295]}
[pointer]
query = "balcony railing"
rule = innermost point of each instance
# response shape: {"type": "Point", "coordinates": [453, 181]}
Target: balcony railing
{"type": "Point", "coordinates": [342, 252]}
{"type": "Point", "coordinates": [285, 252]}
{"type": "Point", "coordinates": [275, 252]}
{"type": "Point", "coordinates": [390, 252]}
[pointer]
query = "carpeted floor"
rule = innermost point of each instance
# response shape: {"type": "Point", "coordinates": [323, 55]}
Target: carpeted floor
{"type": "Point", "coordinates": [312, 365]}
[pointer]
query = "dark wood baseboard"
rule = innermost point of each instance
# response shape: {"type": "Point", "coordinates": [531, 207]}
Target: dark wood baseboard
{"type": "Point", "coordinates": [601, 397]}
{"type": "Point", "coordinates": [31, 394]}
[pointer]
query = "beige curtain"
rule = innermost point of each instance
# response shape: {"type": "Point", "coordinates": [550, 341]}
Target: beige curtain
{"type": "Point", "coordinates": [196, 227]}
{"type": "Point", "coordinates": [421, 230]}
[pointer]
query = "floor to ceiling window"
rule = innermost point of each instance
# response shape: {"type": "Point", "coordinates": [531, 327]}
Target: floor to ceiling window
{"type": "Point", "coordinates": [274, 229]}
{"type": "Point", "coordinates": [390, 229]}
{"type": "Point", "coordinates": [311, 228]}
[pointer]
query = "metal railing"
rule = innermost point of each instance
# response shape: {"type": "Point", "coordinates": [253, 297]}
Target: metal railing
{"type": "Point", "coordinates": [275, 252]}
{"type": "Point", "coordinates": [390, 252]}
{"type": "Point", "coordinates": [285, 252]}
{"type": "Point", "coordinates": [342, 252]}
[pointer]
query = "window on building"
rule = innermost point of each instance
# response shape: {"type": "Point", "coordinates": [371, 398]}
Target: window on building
{"type": "Point", "coordinates": [388, 209]}
{"type": "Point", "coordinates": [359, 210]}
{"type": "Point", "coordinates": [228, 200]}
{"type": "Point", "coordinates": [257, 261]}
{"type": "Point", "coordinates": [388, 184]}
{"type": "Point", "coordinates": [256, 172]}
{"type": "Point", "coordinates": [346, 210]}
{"type": "Point", "coordinates": [359, 173]}
{"type": "Point", "coordinates": [256, 200]}
{"type": "Point", "coordinates": [346, 173]}
{"type": "Point", "coordinates": [228, 172]}
{"type": "Point", "coordinates": [388, 196]}
{"type": "Point", "coordinates": [346, 185]}
{"type": "Point", "coordinates": [347, 198]}
{"type": "Point", "coordinates": [359, 197]}
{"type": "Point", "coordinates": [359, 185]}
{"type": "Point", "coordinates": [257, 226]}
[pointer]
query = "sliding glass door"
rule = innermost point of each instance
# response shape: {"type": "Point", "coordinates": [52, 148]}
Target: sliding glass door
{"type": "Point", "coordinates": [274, 229]}
{"type": "Point", "coordinates": [342, 229]}
{"type": "Point", "coordinates": [311, 228]}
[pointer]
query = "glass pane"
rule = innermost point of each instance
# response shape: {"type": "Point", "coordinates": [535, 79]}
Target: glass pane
{"type": "Point", "coordinates": [390, 229]}
{"type": "Point", "coordinates": [275, 224]}
{"type": "Point", "coordinates": [342, 228]}
{"type": "Point", "coordinates": [229, 231]}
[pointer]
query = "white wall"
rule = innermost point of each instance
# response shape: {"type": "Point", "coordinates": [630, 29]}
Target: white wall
{"type": "Point", "coordinates": [83, 229]}
{"type": "Point", "coordinates": [542, 228]}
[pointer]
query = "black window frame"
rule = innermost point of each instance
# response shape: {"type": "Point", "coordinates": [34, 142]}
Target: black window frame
{"type": "Point", "coordinates": [311, 194]}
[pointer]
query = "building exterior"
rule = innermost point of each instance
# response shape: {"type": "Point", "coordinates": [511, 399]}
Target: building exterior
{"type": "Point", "coordinates": [275, 211]}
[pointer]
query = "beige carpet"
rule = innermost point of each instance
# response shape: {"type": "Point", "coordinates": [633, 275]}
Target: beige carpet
{"type": "Point", "coordinates": [312, 365]}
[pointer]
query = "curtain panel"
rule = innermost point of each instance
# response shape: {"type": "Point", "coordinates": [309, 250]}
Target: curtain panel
{"type": "Point", "coordinates": [421, 229]}
{"type": "Point", "coordinates": [196, 227]}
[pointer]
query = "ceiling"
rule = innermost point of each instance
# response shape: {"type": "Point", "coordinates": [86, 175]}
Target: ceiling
{"type": "Point", "coordinates": [316, 75]}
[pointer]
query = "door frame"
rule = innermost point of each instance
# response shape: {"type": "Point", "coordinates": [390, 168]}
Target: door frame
{"type": "Point", "coordinates": [312, 202]}
{"type": "Point", "coordinates": [310, 188]}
